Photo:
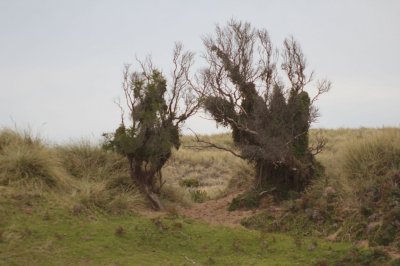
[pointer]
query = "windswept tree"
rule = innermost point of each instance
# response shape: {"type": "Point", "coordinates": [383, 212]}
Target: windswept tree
{"type": "Point", "coordinates": [260, 93]}
{"type": "Point", "coordinates": [156, 110]}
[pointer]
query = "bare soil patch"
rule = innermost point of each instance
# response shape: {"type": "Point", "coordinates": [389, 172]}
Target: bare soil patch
{"type": "Point", "coordinates": [216, 212]}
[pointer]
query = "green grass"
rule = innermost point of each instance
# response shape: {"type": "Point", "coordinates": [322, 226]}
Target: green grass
{"type": "Point", "coordinates": [75, 205]}
{"type": "Point", "coordinates": [36, 232]}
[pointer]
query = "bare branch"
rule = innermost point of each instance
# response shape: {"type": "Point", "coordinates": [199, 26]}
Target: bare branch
{"type": "Point", "coordinates": [121, 108]}
{"type": "Point", "coordinates": [319, 146]}
{"type": "Point", "coordinates": [211, 145]}
{"type": "Point", "coordinates": [322, 87]}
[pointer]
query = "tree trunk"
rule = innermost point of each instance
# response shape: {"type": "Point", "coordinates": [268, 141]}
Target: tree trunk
{"type": "Point", "coordinates": [154, 199]}
{"type": "Point", "coordinates": [143, 180]}
{"type": "Point", "coordinates": [284, 177]}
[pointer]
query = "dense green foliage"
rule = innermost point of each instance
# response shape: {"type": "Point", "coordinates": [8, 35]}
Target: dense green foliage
{"type": "Point", "coordinates": [153, 131]}
{"type": "Point", "coordinates": [270, 123]}
{"type": "Point", "coordinates": [156, 112]}
{"type": "Point", "coordinates": [148, 142]}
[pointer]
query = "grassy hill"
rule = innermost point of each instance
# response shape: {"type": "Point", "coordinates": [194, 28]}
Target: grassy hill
{"type": "Point", "coordinates": [74, 204]}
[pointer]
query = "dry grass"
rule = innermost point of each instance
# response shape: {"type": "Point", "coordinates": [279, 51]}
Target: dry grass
{"type": "Point", "coordinates": [353, 157]}
{"type": "Point", "coordinates": [26, 162]}
{"type": "Point", "coordinates": [363, 169]}
{"type": "Point", "coordinates": [77, 176]}
{"type": "Point", "coordinates": [214, 170]}
{"type": "Point", "coordinates": [86, 161]}
{"type": "Point", "coordinates": [97, 179]}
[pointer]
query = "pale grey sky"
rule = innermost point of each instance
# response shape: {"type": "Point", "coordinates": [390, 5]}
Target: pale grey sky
{"type": "Point", "coordinates": [61, 61]}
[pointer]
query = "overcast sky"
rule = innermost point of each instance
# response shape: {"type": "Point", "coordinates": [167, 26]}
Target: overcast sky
{"type": "Point", "coordinates": [61, 61]}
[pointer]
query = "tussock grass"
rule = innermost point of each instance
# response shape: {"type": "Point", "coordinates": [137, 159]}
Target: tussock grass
{"type": "Point", "coordinates": [372, 157]}
{"type": "Point", "coordinates": [88, 161]}
{"type": "Point", "coordinates": [80, 177]}
{"type": "Point", "coordinates": [357, 158]}
{"type": "Point", "coordinates": [27, 162]}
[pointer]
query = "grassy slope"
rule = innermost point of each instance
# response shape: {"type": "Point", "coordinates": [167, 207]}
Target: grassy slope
{"type": "Point", "coordinates": [37, 232]}
{"type": "Point", "coordinates": [40, 227]}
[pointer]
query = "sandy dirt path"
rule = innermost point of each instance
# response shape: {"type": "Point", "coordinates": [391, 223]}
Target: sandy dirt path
{"type": "Point", "coordinates": [216, 212]}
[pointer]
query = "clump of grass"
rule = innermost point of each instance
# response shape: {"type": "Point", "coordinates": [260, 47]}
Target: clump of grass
{"type": "Point", "coordinates": [198, 196]}
{"type": "Point", "coordinates": [189, 182]}
{"type": "Point", "coordinates": [92, 195]}
{"type": "Point", "coordinates": [129, 201]}
{"type": "Point", "coordinates": [373, 157]}
{"type": "Point", "coordinates": [175, 195]}
{"type": "Point", "coordinates": [8, 136]}
{"type": "Point", "coordinates": [88, 161]}
{"type": "Point", "coordinates": [25, 161]}
{"type": "Point", "coordinates": [102, 178]}
{"type": "Point", "coordinates": [99, 195]}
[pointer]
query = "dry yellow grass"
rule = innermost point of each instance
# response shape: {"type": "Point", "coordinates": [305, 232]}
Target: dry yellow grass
{"type": "Point", "coordinates": [93, 177]}
{"type": "Point", "coordinates": [26, 162]}
{"type": "Point", "coordinates": [73, 176]}
{"type": "Point", "coordinates": [213, 169]}
{"type": "Point", "coordinates": [348, 149]}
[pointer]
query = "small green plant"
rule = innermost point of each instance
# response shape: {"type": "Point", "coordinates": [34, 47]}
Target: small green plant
{"type": "Point", "coordinates": [198, 196]}
{"type": "Point", "coordinates": [189, 182]}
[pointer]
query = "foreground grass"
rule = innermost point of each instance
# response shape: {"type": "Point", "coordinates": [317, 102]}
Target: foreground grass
{"type": "Point", "coordinates": [75, 205]}
{"type": "Point", "coordinates": [37, 232]}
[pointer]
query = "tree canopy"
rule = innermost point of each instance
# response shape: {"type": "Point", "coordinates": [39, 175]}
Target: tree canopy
{"type": "Point", "coordinates": [270, 120]}
{"type": "Point", "coordinates": [156, 111]}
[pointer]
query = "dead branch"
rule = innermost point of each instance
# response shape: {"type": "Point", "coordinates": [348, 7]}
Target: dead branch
{"type": "Point", "coordinates": [211, 145]}
{"type": "Point", "coordinates": [321, 142]}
